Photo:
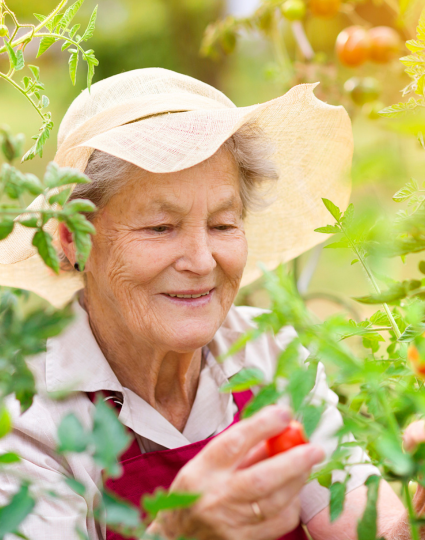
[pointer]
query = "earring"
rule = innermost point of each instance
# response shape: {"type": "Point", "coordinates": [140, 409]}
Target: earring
{"type": "Point", "coordinates": [77, 267]}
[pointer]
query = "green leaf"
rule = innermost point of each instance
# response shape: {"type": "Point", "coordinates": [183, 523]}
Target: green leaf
{"type": "Point", "coordinates": [90, 27]}
{"type": "Point", "coordinates": [243, 380]}
{"type": "Point", "coordinates": [12, 55]}
{"type": "Point", "coordinates": [325, 479]}
{"type": "Point", "coordinates": [398, 108]}
{"type": "Point", "coordinates": [333, 209]}
{"type": "Point", "coordinates": [69, 14]}
{"type": "Point", "coordinates": [14, 513]}
{"type": "Point", "coordinates": [415, 46]}
{"type": "Point", "coordinates": [394, 293]}
{"type": "Point", "coordinates": [411, 332]}
{"type": "Point", "coordinates": [336, 506]}
{"type": "Point", "coordinates": [39, 17]}
{"type": "Point", "coordinates": [71, 435]}
{"type": "Point", "coordinates": [338, 245]}
{"type": "Point", "coordinates": [119, 512]}
{"type": "Point", "coordinates": [311, 416]}
{"type": "Point", "coordinates": [348, 216]}
{"type": "Point", "coordinates": [56, 176]}
{"type": "Point", "coordinates": [73, 65]}
{"type": "Point", "coordinates": [162, 500]}
{"type": "Point", "coordinates": [74, 30]}
{"type": "Point", "coordinates": [5, 422]}
{"type": "Point", "coordinates": [109, 437]}
{"type": "Point", "coordinates": [45, 43]}
{"type": "Point", "coordinates": [44, 101]}
{"type": "Point", "coordinates": [380, 318]}
{"type": "Point", "coordinates": [354, 261]}
{"type": "Point", "coordinates": [61, 197]}
{"type": "Point", "coordinates": [40, 141]}
{"type": "Point", "coordinates": [6, 227]}
{"type": "Point", "coordinates": [43, 242]}
{"type": "Point", "coordinates": [367, 526]}
{"type": "Point", "coordinates": [390, 450]}
{"type": "Point", "coordinates": [9, 457]}
{"type": "Point", "coordinates": [406, 191]}
{"type": "Point", "coordinates": [76, 486]}
{"type": "Point", "coordinates": [35, 70]}
{"type": "Point", "coordinates": [80, 205]}
{"type": "Point", "coordinates": [20, 61]}
{"type": "Point", "coordinates": [328, 229]}
{"type": "Point", "coordinates": [82, 230]}
{"type": "Point", "coordinates": [266, 396]}
{"type": "Point", "coordinates": [91, 63]}
{"type": "Point", "coordinates": [300, 384]}
{"type": "Point", "coordinates": [421, 267]}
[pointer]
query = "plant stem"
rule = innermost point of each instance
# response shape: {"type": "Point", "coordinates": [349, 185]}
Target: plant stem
{"type": "Point", "coordinates": [302, 40]}
{"type": "Point", "coordinates": [411, 512]}
{"type": "Point", "coordinates": [373, 281]}
{"type": "Point", "coordinates": [22, 91]}
{"type": "Point", "coordinates": [37, 28]}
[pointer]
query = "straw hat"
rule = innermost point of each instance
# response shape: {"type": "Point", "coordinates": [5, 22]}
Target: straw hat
{"type": "Point", "coordinates": [163, 121]}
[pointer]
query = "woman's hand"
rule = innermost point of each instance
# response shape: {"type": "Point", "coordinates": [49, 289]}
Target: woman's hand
{"type": "Point", "coordinates": [414, 435]}
{"type": "Point", "coordinates": [231, 473]}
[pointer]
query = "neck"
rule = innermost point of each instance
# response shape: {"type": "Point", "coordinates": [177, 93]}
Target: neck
{"type": "Point", "coordinates": [167, 380]}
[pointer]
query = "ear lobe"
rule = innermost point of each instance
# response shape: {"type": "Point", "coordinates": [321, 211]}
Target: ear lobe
{"type": "Point", "coordinates": [67, 242]}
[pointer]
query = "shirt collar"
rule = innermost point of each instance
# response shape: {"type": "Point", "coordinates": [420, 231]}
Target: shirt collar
{"type": "Point", "coordinates": [75, 362]}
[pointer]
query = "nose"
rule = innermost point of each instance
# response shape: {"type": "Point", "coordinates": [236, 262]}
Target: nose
{"type": "Point", "coordinates": [195, 253]}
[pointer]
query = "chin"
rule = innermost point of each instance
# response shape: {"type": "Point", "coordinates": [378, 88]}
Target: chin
{"type": "Point", "coordinates": [191, 338]}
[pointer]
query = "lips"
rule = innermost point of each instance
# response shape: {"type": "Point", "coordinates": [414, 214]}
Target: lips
{"type": "Point", "coordinates": [195, 298]}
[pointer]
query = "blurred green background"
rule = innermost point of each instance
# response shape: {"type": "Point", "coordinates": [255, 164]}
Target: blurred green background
{"type": "Point", "coordinates": [134, 34]}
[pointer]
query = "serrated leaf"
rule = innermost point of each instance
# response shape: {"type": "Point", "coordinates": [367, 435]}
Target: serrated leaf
{"type": "Point", "coordinates": [367, 525]}
{"type": "Point", "coordinates": [398, 108]}
{"type": "Point", "coordinates": [14, 513]}
{"type": "Point", "coordinates": [333, 209]}
{"type": "Point", "coordinates": [266, 396]}
{"type": "Point", "coordinates": [338, 245]}
{"type": "Point", "coordinates": [6, 227]}
{"type": "Point", "coordinates": [311, 416]}
{"type": "Point", "coordinates": [162, 500]}
{"type": "Point", "coordinates": [119, 512]}
{"type": "Point", "coordinates": [406, 191]}
{"type": "Point", "coordinates": [9, 457]}
{"type": "Point", "coordinates": [45, 43]}
{"type": "Point", "coordinates": [91, 63]}
{"type": "Point", "coordinates": [380, 318]}
{"type": "Point", "coordinates": [420, 85]}
{"type": "Point", "coordinates": [90, 27]}
{"type": "Point", "coordinates": [73, 30]}
{"type": "Point", "coordinates": [44, 243]}
{"type": "Point", "coordinates": [328, 229]}
{"type": "Point", "coordinates": [56, 176]}
{"type": "Point", "coordinates": [20, 61]}
{"type": "Point", "coordinates": [60, 198]}
{"type": "Point", "coordinates": [44, 101]}
{"type": "Point", "coordinates": [71, 435]}
{"type": "Point", "coordinates": [76, 486]}
{"type": "Point", "coordinates": [73, 65]}
{"type": "Point", "coordinates": [411, 332]}
{"type": "Point", "coordinates": [35, 70]}
{"type": "Point", "coordinates": [336, 505]}
{"type": "Point", "coordinates": [415, 45]}
{"type": "Point", "coordinates": [70, 14]}
{"type": "Point", "coordinates": [79, 205]}
{"type": "Point", "coordinates": [246, 378]}
{"type": "Point", "coordinates": [30, 222]}
{"type": "Point", "coordinates": [397, 292]}
{"type": "Point", "coordinates": [40, 141]}
{"type": "Point", "coordinates": [39, 17]}
{"type": "Point", "coordinates": [12, 55]}
{"type": "Point", "coordinates": [65, 45]}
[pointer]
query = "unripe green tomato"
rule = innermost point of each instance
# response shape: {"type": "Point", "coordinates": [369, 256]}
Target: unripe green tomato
{"type": "Point", "coordinates": [362, 90]}
{"type": "Point", "coordinates": [293, 10]}
{"type": "Point", "coordinates": [4, 31]}
{"type": "Point", "coordinates": [373, 110]}
{"type": "Point", "coordinates": [5, 422]}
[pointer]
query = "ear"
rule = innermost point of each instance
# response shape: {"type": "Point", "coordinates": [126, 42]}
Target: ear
{"type": "Point", "coordinates": [67, 243]}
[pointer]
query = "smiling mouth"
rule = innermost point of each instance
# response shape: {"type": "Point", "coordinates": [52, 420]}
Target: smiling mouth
{"type": "Point", "coordinates": [189, 298]}
{"type": "Point", "coordinates": [188, 295]}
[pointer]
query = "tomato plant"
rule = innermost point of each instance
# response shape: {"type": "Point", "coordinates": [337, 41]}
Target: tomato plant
{"type": "Point", "coordinates": [324, 8]}
{"type": "Point", "coordinates": [384, 44]}
{"type": "Point", "coordinates": [353, 46]}
{"type": "Point", "coordinates": [293, 10]}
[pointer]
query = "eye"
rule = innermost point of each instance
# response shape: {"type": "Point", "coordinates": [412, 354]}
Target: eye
{"type": "Point", "coordinates": [223, 227]}
{"type": "Point", "coordinates": [159, 229]}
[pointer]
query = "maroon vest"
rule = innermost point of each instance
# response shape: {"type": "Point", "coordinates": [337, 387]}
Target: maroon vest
{"type": "Point", "coordinates": [144, 473]}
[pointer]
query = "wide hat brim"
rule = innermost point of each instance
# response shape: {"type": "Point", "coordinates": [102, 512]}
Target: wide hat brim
{"type": "Point", "coordinates": [314, 146]}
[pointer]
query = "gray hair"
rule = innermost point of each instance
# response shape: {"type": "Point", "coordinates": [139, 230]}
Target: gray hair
{"type": "Point", "coordinates": [249, 147]}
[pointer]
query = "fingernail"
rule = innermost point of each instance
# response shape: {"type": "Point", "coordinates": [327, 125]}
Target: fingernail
{"type": "Point", "coordinates": [284, 414]}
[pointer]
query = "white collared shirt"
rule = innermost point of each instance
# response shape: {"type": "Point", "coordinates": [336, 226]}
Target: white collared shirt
{"type": "Point", "coordinates": [74, 361]}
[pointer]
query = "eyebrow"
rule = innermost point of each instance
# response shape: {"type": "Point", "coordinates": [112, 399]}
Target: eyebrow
{"type": "Point", "coordinates": [169, 206]}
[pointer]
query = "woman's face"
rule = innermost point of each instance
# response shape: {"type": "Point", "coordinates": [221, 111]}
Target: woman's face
{"type": "Point", "coordinates": [169, 253]}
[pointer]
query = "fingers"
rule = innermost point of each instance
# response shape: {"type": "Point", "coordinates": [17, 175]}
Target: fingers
{"type": "Point", "coordinates": [284, 522]}
{"type": "Point", "coordinates": [256, 454]}
{"type": "Point", "coordinates": [231, 447]}
{"type": "Point", "coordinates": [277, 502]}
{"type": "Point", "coordinates": [264, 478]}
{"type": "Point", "coordinates": [419, 500]}
{"type": "Point", "coordinates": [413, 435]}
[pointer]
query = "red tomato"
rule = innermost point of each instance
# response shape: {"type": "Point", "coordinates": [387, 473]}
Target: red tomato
{"type": "Point", "coordinates": [324, 8]}
{"type": "Point", "coordinates": [291, 436]}
{"type": "Point", "coordinates": [353, 46]}
{"type": "Point", "coordinates": [384, 44]}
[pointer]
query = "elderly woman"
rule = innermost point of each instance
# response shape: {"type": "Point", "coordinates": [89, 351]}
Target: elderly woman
{"type": "Point", "coordinates": [191, 193]}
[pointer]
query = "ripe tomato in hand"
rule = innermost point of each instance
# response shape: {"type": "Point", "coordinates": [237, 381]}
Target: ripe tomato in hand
{"type": "Point", "coordinates": [293, 435]}
{"type": "Point", "coordinates": [324, 8]}
{"type": "Point", "coordinates": [384, 44]}
{"type": "Point", "coordinates": [353, 46]}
